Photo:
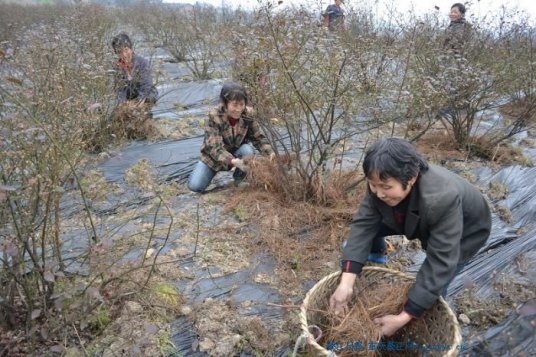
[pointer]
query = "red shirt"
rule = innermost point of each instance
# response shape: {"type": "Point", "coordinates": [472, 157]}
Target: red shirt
{"type": "Point", "coordinates": [233, 121]}
{"type": "Point", "coordinates": [123, 65]}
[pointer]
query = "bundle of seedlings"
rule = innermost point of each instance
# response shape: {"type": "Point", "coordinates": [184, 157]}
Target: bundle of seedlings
{"type": "Point", "coordinates": [357, 334]}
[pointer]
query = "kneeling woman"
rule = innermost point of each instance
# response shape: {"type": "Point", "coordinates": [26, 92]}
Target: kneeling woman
{"type": "Point", "coordinates": [229, 132]}
{"type": "Point", "coordinates": [406, 195]}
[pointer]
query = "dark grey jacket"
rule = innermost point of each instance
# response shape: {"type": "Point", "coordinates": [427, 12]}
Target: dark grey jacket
{"type": "Point", "coordinates": [140, 84]}
{"type": "Point", "coordinates": [448, 214]}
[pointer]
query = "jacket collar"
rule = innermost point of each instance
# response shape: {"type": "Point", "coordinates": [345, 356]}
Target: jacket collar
{"type": "Point", "coordinates": [412, 215]}
{"type": "Point", "coordinates": [225, 118]}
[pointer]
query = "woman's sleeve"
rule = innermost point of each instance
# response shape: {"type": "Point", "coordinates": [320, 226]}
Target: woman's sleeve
{"type": "Point", "coordinates": [363, 228]}
{"type": "Point", "coordinates": [258, 139]}
{"type": "Point", "coordinates": [146, 88]}
{"type": "Point", "coordinates": [442, 253]}
{"type": "Point", "coordinates": [213, 144]}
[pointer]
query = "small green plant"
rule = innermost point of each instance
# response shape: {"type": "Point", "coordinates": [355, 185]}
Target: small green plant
{"type": "Point", "coordinates": [101, 319]}
{"type": "Point", "coordinates": [167, 295]}
{"type": "Point", "coordinates": [166, 345]}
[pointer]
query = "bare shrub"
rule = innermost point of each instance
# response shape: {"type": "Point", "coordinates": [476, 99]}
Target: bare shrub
{"type": "Point", "coordinates": [192, 35]}
{"type": "Point", "coordinates": [54, 90]}
{"type": "Point", "coordinates": [308, 90]}
{"type": "Point", "coordinates": [49, 87]}
{"type": "Point", "coordinates": [497, 65]}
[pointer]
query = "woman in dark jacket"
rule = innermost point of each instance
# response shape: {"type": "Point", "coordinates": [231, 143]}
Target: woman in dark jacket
{"type": "Point", "coordinates": [133, 76]}
{"type": "Point", "coordinates": [406, 195]}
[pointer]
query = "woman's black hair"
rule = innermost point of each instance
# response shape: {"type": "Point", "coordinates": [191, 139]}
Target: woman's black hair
{"type": "Point", "coordinates": [232, 91]}
{"type": "Point", "coordinates": [393, 157]}
{"type": "Point", "coordinates": [121, 41]}
{"type": "Point", "coordinates": [460, 7]}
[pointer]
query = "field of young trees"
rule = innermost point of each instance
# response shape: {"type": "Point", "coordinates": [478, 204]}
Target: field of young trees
{"type": "Point", "coordinates": [138, 266]}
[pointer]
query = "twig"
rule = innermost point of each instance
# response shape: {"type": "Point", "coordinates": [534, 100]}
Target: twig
{"type": "Point", "coordinates": [197, 230]}
{"type": "Point", "coordinates": [80, 340]}
{"type": "Point", "coordinates": [296, 307]}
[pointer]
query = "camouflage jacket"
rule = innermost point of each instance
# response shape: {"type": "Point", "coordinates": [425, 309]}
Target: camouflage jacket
{"type": "Point", "coordinates": [457, 36]}
{"type": "Point", "coordinates": [222, 139]}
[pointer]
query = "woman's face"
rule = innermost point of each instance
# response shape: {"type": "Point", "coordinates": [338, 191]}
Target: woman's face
{"type": "Point", "coordinates": [235, 108]}
{"type": "Point", "coordinates": [125, 54]}
{"type": "Point", "coordinates": [455, 14]}
{"type": "Point", "coordinates": [390, 191]}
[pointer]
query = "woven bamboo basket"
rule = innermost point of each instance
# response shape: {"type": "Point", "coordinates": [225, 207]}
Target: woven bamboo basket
{"type": "Point", "coordinates": [438, 324]}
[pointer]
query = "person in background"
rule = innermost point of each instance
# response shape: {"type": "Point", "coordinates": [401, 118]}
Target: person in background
{"type": "Point", "coordinates": [459, 31]}
{"type": "Point", "coordinates": [133, 80]}
{"type": "Point", "coordinates": [230, 129]}
{"type": "Point", "coordinates": [406, 195]}
{"type": "Point", "coordinates": [333, 17]}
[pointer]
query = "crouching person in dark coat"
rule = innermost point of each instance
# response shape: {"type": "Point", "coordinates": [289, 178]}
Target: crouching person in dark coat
{"type": "Point", "coordinates": [133, 75]}
{"type": "Point", "coordinates": [136, 93]}
{"type": "Point", "coordinates": [406, 195]}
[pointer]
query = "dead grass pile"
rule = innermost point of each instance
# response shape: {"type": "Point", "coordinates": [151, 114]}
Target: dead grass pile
{"type": "Point", "coordinates": [133, 121]}
{"type": "Point", "coordinates": [501, 153]}
{"type": "Point", "coordinates": [279, 176]}
{"type": "Point", "coordinates": [129, 121]}
{"type": "Point", "coordinates": [358, 326]}
{"type": "Point", "coordinates": [303, 235]}
{"type": "Point", "coordinates": [438, 145]}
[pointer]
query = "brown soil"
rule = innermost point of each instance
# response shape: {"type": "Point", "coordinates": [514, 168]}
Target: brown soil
{"type": "Point", "coordinates": [223, 331]}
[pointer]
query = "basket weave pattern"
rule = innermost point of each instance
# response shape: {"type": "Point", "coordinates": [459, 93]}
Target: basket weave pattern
{"type": "Point", "coordinates": [438, 326]}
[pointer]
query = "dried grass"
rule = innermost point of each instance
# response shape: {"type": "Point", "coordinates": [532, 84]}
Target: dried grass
{"type": "Point", "coordinates": [358, 325]}
{"type": "Point", "coordinates": [133, 121]}
{"type": "Point", "coordinates": [438, 146]}
{"type": "Point", "coordinates": [129, 121]}
{"type": "Point", "coordinates": [303, 236]}
{"type": "Point", "coordinates": [280, 177]}
{"type": "Point", "coordinates": [521, 108]}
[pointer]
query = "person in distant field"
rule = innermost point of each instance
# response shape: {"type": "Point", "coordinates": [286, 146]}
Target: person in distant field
{"type": "Point", "coordinates": [459, 31]}
{"type": "Point", "coordinates": [406, 195]}
{"type": "Point", "coordinates": [456, 41]}
{"type": "Point", "coordinates": [333, 17]}
{"type": "Point", "coordinates": [230, 129]}
{"type": "Point", "coordinates": [133, 80]}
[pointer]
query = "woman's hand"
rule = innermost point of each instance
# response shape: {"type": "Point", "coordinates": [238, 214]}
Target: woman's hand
{"type": "Point", "coordinates": [338, 303]}
{"type": "Point", "coordinates": [239, 164]}
{"type": "Point", "coordinates": [392, 323]}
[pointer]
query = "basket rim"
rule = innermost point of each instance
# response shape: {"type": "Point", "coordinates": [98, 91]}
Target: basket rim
{"type": "Point", "coordinates": [453, 351]}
